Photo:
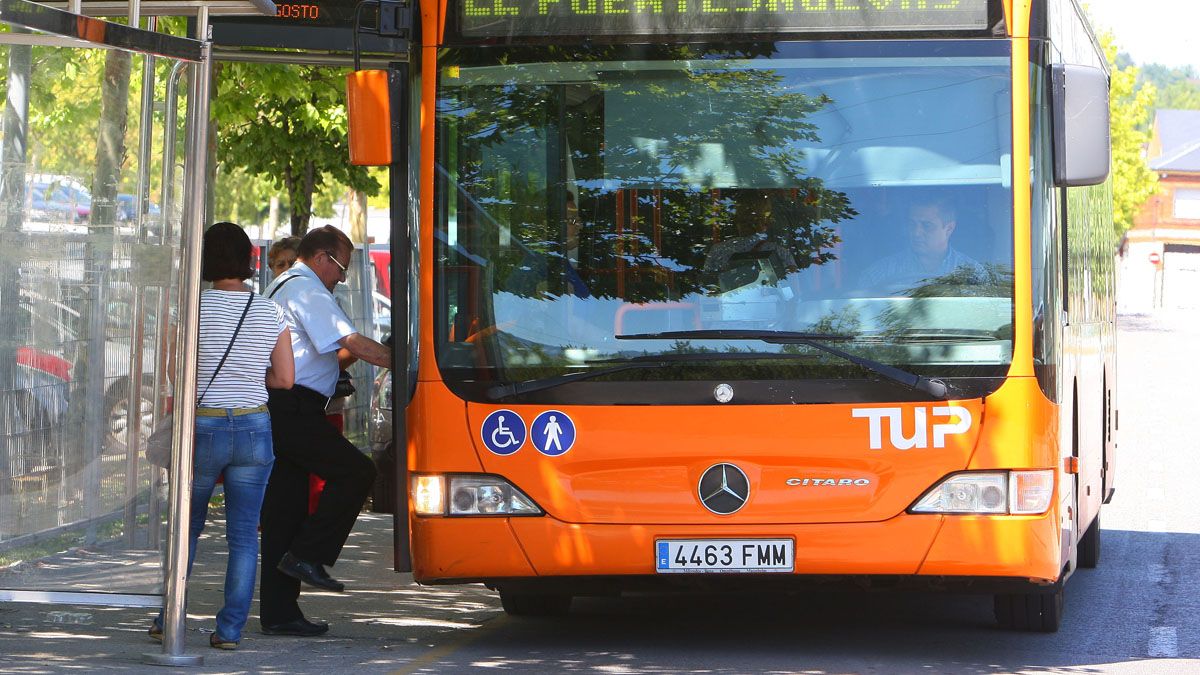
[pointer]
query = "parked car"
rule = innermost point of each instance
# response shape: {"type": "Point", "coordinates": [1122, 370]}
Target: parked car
{"type": "Point", "coordinates": [127, 209]}
{"type": "Point", "coordinates": [47, 321]}
{"type": "Point", "coordinates": [43, 209]}
{"type": "Point", "coordinates": [62, 200]}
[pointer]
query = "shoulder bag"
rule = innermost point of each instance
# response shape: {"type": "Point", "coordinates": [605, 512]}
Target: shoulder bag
{"type": "Point", "coordinates": [158, 445]}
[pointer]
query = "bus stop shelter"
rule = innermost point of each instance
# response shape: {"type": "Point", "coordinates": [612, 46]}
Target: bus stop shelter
{"type": "Point", "coordinates": [102, 203]}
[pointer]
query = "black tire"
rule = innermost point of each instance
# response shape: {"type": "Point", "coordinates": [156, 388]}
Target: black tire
{"type": "Point", "coordinates": [1033, 612]}
{"type": "Point", "coordinates": [535, 604]}
{"type": "Point", "coordinates": [116, 414]}
{"type": "Point", "coordinates": [1088, 552]}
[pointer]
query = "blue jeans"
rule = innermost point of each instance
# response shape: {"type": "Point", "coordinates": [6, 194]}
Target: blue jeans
{"type": "Point", "coordinates": [240, 448]}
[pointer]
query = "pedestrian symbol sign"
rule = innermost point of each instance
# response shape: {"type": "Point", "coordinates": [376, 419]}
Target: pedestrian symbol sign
{"type": "Point", "coordinates": [552, 433]}
{"type": "Point", "coordinates": [503, 432]}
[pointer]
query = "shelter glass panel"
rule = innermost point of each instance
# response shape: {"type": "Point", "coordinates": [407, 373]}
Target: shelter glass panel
{"type": "Point", "coordinates": [89, 283]}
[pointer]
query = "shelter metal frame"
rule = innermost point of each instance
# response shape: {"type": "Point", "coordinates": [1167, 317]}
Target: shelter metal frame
{"type": "Point", "coordinates": [74, 26]}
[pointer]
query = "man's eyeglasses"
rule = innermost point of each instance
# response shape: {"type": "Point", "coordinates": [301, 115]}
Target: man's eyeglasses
{"type": "Point", "coordinates": [335, 262]}
{"type": "Point", "coordinates": [926, 225]}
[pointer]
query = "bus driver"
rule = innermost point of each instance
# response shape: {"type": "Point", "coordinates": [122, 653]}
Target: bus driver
{"type": "Point", "coordinates": [929, 254]}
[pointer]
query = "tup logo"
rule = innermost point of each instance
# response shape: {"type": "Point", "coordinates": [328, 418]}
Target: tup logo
{"type": "Point", "coordinates": [957, 420]}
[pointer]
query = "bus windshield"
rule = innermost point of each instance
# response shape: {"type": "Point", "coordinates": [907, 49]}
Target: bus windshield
{"type": "Point", "coordinates": [861, 190]}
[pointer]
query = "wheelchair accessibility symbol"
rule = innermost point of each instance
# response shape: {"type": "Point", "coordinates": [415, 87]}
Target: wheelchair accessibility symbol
{"type": "Point", "coordinates": [503, 432]}
{"type": "Point", "coordinates": [553, 433]}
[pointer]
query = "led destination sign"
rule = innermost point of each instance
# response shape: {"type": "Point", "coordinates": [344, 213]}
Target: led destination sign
{"type": "Point", "coordinates": [512, 18]}
{"type": "Point", "coordinates": [304, 24]}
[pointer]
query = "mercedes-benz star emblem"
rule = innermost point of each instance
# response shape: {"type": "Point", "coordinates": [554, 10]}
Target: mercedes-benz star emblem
{"type": "Point", "coordinates": [724, 489]}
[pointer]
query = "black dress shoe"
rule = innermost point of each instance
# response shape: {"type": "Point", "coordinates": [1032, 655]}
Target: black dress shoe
{"type": "Point", "coordinates": [310, 573]}
{"type": "Point", "coordinates": [301, 627]}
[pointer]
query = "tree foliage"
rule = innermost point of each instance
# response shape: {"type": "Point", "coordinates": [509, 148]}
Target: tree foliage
{"type": "Point", "coordinates": [1177, 87]}
{"type": "Point", "coordinates": [505, 130]}
{"type": "Point", "coordinates": [286, 124]}
{"type": "Point", "coordinates": [1132, 107]}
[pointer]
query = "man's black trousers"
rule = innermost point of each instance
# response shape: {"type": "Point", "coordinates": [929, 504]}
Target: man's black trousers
{"type": "Point", "coordinates": [306, 442]}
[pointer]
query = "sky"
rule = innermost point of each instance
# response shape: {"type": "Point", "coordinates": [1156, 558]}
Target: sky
{"type": "Point", "coordinates": [1152, 31]}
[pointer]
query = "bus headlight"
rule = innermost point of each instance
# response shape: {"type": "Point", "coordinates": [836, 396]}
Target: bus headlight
{"type": "Point", "coordinates": [1004, 492]}
{"type": "Point", "coordinates": [470, 495]}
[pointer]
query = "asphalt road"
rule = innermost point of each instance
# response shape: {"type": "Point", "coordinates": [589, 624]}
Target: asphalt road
{"type": "Point", "coordinates": [1138, 612]}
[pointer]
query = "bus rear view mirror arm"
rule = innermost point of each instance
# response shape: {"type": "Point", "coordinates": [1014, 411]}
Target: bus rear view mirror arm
{"type": "Point", "coordinates": [1082, 148]}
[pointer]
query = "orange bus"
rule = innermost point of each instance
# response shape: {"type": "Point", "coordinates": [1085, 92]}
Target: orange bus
{"type": "Point", "coordinates": [758, 294]}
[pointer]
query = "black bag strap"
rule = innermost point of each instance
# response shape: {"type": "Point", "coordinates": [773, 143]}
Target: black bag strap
{"type": "Point", "coordinates": [227, 349]}
{"type": "Point", "coordinates": [281, 283]}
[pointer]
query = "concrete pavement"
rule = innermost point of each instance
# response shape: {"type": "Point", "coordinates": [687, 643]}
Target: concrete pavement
{"type": "Point", "coordinates": [383, 623]}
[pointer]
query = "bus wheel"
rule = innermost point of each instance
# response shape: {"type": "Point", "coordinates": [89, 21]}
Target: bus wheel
{"type": "Point", "coordinates": [1088, 555]}
{"type": "Point", "coordinates": [1035, 612]}
{"type": "Point", "coordinates": [534, 604]}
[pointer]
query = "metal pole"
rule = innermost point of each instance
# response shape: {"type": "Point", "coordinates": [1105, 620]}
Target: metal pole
{"type": "Point", "coordinates": [167, 208]}
{"type": "Point", "coordinates": [185, 398]}
{"type": "Point", "coordinates": [403, 215]}
{"type": "Point", "coordinates": [135, 13]}
{"type": "Point", "coordinates": [368, 300]}
{"type": "Point", "coordinates": [170, 122]}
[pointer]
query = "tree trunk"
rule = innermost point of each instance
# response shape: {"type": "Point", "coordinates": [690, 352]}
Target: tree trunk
{"type": "Point", "coordinates": [273, 217]}
{"type": "Point", "coordinates": [13, 156]}
{"type": "Point", "coordinates": [356, 204]}
{"type": "Point", "coordinates": [110, 146]}
{"type": "Point", "coordinates": [300, 191]}
{"type": "Point", "coordinates": [106, 179]}
{"type": "Point", "coordinates": [289, 184]}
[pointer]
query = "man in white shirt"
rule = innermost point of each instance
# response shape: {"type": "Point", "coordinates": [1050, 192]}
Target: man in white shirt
{"type": "Point", "coordinates": [297, 546]}
{"type": "Point", "coordinates": [929, 255]}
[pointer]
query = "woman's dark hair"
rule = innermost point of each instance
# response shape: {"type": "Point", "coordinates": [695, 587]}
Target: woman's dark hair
{"type": "Point", "coordinates": [227, 252]}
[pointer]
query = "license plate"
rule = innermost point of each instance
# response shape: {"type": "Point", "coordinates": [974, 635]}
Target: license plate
{"type": "Point", "coordinates": [724, 555]}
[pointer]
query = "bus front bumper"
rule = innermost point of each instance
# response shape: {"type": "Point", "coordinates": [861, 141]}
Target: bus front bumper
{"type": "Point", "coordinates": [1023, 549]}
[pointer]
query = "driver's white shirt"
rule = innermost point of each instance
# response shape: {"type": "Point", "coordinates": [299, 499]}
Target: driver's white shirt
{"type": "Point", "coordinates": [316, 322]}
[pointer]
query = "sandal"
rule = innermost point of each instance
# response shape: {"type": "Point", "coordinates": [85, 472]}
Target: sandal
{"type": "Point", "coordinates": [219, 643]}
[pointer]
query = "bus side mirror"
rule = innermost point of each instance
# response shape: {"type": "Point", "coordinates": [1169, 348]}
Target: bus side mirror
{"type": "Point", "coordinates": [368, 107]}
{"type": "Point", "coordinates": [1082, 146]}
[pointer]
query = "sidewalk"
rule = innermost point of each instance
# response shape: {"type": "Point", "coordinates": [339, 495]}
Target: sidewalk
{"type": "Point", "coordinates": [383, 623]}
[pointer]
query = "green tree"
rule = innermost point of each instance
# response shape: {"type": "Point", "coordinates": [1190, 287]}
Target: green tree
{"type": "Point", "coordinates": [1178, 88]}
{"type": "Point", "coordinates": [287, 124]}
{"type": "Point", "coordinates": [1131, 108]}
{"type": "Point", "coordinates": [1180, 95]}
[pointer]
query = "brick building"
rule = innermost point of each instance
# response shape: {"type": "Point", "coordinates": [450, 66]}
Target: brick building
{"type": "Point", "coordinates": [1160, 257]}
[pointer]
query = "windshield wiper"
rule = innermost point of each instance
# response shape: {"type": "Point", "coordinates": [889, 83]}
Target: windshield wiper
{"type": "Point", "coordinates": [910, 336]}
{"type": "Point", "coordinates": [503, 391]}
{"type": "Point", "coordinates": [934, 387]}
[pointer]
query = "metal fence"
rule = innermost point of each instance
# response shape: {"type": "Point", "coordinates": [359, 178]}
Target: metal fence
{"type": "Point", "coordinates": [364, 299]}
{"type": "Point", "coordinates": [70, 476]}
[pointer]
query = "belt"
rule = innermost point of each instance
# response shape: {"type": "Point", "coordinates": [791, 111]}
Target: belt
{"type": "Point", "coordinates": [222, 412]}
{"type": "Point", "coordinates": [297, 399]}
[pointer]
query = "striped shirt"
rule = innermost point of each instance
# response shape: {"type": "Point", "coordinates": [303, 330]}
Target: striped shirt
{"type": "Point", "coordinates": [242, 380]}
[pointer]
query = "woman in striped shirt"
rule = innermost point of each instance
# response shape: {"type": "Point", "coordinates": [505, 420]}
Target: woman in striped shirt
{"type": "Point", "coordinates": [245, 347]}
